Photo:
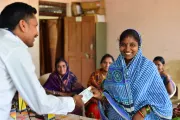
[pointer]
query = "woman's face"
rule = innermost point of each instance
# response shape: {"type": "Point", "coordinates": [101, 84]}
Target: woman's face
{"type": "Point", "coordinates": [159, 65]}
{"type": "Point", "coordinates": [106, 63]}
{"type": "Point", "coordinates": [61, 68]}
{"type": "Point", "coordinates": [128, 48]}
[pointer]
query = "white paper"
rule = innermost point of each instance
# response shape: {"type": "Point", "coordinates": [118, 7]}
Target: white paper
{"type": "Point", "coordinates": [78, 19]}
{"type": "Point", "coordinates": [87, 94]}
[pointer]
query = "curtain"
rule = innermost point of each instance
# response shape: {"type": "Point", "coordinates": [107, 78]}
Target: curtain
{"type": "Point", "coordinates": [51, 44]}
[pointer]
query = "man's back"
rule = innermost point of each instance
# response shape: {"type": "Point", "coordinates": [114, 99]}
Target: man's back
{"type": "Point", "coordinates": [7, 89]}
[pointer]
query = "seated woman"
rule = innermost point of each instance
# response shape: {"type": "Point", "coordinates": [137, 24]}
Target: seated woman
{"type": "Point", "coordinates": [160, 62]}
{"type": "Point", "coordinates": [62, 82]}
{"type": "Point", "coordinates": [133, 88]}
{"type": "Point", "coordinates": [95, 80]}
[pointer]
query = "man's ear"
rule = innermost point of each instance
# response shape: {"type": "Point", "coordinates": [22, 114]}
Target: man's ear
{"type": "Point", "coordinates": [23, 25]}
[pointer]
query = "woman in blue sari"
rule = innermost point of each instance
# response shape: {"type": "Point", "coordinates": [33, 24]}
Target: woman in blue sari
{"type": "Point", "coordinates": [133, 88]}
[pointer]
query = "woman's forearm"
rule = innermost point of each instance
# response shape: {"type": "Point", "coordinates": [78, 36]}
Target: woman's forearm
{"type": "Point", "coordinates": [66, 93]}
{"type": "Point", "coordinates": [57, 93]}
{"type": "Point", "coordinates": [169, 88]}
{"type": "Point", "coordinates": [52, 92]}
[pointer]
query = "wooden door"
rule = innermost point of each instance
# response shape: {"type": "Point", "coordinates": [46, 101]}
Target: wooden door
{"type": "Point", "coordinates": [80, 46]}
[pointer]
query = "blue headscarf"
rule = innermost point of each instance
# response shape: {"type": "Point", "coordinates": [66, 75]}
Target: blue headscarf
{"type": "Point", "coordinates": [136, 85]}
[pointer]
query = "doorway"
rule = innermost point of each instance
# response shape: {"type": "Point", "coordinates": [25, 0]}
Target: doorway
{"type": "Point", "coordinates": [51, 19]}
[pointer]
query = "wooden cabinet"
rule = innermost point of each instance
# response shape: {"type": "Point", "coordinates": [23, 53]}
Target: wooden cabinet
{"type": "Point", "coordinates": [80, 47]}
{"type": "Point", "coordinates": [85, 44]}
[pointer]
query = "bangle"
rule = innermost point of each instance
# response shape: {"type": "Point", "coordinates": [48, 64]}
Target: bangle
{"type": "Point", "coordinates": [142, 115]}
{"type": "Point", "coordinates": [148, 109]}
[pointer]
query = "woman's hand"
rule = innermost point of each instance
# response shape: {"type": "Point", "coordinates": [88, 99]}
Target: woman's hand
{"type": "Point", "coordinates": [176, 112]}
{"type": "Point", "coordinates": [96, 93]}
{"type": "Point", "coordinates": [137, 116]}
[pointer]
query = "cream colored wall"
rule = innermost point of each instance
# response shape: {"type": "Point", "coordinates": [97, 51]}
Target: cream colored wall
{"type": "Point", "coordinates": [83, 0]}
{"type": "Point", "coordinates": [3, 3]}
{"type": "Point", "coordinates": [62, 1]}
{"type": "Point", "coordinates": [158, 22]}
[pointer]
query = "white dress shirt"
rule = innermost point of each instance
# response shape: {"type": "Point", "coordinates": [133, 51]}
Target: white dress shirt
{"type": "Point", "coordinates": [17, 72]}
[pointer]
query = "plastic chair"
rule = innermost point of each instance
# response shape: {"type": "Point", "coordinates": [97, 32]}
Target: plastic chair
{"type": "Point", "coordinates": [44, 78]}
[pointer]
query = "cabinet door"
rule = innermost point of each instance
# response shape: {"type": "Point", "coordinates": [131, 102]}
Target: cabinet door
{"type": "Point", "coordinates": [80, 46]}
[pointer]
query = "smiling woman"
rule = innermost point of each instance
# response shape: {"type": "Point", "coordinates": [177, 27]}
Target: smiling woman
{"type": "Point", "coordinates": [167, 80]}
{"type": "Point", "coordinates": [62, 82]}
{"type": "Point", "coordinates": [129, 48]}
{"type": "Point", "coordinates": [133, 88]}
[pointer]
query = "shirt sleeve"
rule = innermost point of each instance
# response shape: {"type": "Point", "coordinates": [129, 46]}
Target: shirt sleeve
{"type": "Point", "coordinates": [22, 71]}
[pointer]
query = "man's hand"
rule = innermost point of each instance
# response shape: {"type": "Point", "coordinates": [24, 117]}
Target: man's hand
{"type": "Point", "coordinates": [78, 100]}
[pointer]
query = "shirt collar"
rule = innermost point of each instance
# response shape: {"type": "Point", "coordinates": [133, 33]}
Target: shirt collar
{"type": "Point", "coordinates": [17, 39]}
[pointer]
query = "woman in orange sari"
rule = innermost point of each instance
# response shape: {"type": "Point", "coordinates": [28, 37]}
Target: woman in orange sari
{"type": "Point", "coordinates": [95, 80]}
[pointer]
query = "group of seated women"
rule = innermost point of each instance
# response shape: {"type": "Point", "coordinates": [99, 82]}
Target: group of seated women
{"type": "Point", "coordinates": [132, 87]}
{"type": "Point", "coordinates": [62, 82]}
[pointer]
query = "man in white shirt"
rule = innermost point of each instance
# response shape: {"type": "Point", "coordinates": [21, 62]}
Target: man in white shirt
{"type": "Point", "coordinates": [18, 29]}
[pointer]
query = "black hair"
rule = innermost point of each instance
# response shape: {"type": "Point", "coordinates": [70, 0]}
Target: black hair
{"type": "Point", "coordinates": [60, 59]}
{"type": "Point", "coordinates": [159, 58]}
{"type": "Point", "coordinates": [13, 13]}
{"type": "Point", "coordinates": [130, 33]}
{"type": "Point", "coordinates": [106, 56]}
